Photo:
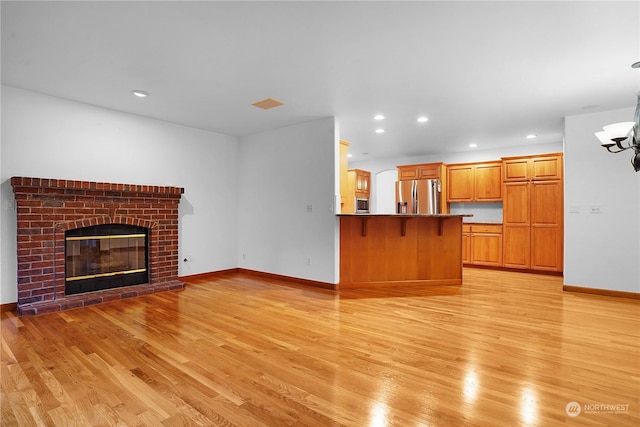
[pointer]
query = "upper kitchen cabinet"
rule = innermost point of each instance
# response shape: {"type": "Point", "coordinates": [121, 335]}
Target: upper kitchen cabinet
{"type": "Point", "coordinates": [424, 171]}
{"type": "Point", "coordinates": [421, 171]}
{"type": "Point", "coordinates": [360, 181]}
{"type": "Point", "coordinates": [526, 168]}
{"type": "Point", "coordinates": [474, 182]}
{"type": "Point", "coordinates": [356, 194]}
{"type": "Point", "coordinates": [344, 179]}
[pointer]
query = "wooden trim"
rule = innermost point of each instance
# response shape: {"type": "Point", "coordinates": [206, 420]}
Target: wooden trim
{"type": "Point", "coordinates": [306, 282]}
{"type": "Point", "coordinates": [364, 220]}
{"type": "Point", "coordinates": [12, 306]}
{"type": "Point", "coordinates": [528, 156]}
{"type": "Point", "coordinates": [603, 292]}
{"type": "Point", "coordinates": [407, 283]}
{"type": "Point", "coordinates": [515, 270]}
{"type": "Point", "coordinates": [208, 274]}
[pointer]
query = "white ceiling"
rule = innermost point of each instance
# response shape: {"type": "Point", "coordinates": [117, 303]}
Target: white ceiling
{"type": "Point", "coordinates": [483, 72]}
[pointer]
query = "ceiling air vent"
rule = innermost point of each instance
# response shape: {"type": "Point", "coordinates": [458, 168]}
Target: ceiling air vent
{"type": "Point", "coordinates": [268, 103]}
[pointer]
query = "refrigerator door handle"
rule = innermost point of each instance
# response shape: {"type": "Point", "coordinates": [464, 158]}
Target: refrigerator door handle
{"type": "Point", "coordinates": [414, 195]}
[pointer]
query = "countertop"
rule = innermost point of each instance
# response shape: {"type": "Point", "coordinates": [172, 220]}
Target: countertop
{"type": "Point", "coordinates": [407, 215]}
{"type": "Point", "coordinates": [481, 223]}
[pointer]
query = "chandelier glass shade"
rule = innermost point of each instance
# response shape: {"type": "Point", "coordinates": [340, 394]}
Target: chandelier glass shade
{"type": "Point", "coordinates": [619, 137]}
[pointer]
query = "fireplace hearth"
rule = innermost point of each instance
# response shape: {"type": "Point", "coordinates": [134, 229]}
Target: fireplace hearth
{"type": "Point", "coordinates": [81, 243]}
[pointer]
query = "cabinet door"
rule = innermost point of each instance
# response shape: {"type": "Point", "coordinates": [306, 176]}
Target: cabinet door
{"type": "Point", "coordinates": [466, 247]}
{"type": "Point", "coordinates": [543, 168]}
{"type": "Point", "coordinates": [486, 249]}
{"type": "Point", "coordinates": [488, 182]}
{"type": "Point", "coordinates": [359, 183]}
{"type": "Point", "coordinates": [515, 207]}
{"type": "Point", "coordinates": [407, 172]}
{"type": "Point", "coordinates": [516, 225]}
{"type": "Point", "coordinates": [460, 183]}
{"type": "Point", "coordinates": [516, 252]}
{"type": "Point", "coordinates": [429, 171]}
{"type": "Point", "coordinates": [366, 183]}
{"type": "Point", "coordinates": [516, 169]}
{"type": "Point", "coordinates": [546, 225]}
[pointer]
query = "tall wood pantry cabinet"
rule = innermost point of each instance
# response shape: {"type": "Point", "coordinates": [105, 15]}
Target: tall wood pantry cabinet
{"type": "Point", "coordinates": [533, 212]}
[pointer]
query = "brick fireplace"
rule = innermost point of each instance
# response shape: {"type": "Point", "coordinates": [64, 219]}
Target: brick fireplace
{"type": "Point", "coordinates": [48, 208]}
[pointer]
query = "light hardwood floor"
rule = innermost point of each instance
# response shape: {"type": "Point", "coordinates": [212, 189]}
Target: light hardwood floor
{"type": "Point", "coordinates": [503, 349]}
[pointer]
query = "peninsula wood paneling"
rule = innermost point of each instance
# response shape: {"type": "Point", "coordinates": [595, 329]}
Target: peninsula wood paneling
{"type": "Point", "coordinates": [386, 257]}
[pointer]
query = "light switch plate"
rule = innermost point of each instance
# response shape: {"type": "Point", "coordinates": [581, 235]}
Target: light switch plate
{"type": "Point", "coordinates": [596, 209]}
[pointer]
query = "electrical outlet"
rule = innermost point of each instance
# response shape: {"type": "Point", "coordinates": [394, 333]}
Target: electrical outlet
{"type": "Point", "coordinates": [309, 208]}
{"type": "Point", "coordinates": [244, 256]}
{"type": "Point", "coordinates": [596, 209]}
{"type": "Point", "coordinates": [308, 260]}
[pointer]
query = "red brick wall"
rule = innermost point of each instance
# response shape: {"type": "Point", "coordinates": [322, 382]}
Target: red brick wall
{"type": "Point", "coordinates": [46, 208]}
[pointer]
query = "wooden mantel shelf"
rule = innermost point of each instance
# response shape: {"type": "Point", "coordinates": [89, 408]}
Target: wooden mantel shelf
{"type": "Point", "coordinates": [400, 250]}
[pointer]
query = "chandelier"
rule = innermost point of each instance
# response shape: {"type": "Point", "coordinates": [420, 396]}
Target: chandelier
{"type": "Point", "coordinates": [619, 137]}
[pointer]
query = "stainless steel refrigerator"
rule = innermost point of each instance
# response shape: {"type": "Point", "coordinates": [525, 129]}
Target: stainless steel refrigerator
{"type": "Point", "coordinates": [420, 196]}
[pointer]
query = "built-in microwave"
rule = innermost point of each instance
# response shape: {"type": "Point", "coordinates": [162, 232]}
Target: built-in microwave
{"type": "Point", "coordinates": [362, 205]}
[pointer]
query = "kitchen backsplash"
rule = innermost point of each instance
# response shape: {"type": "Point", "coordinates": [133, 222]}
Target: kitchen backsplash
{"type": "Point", "coordinates": [482, 212]}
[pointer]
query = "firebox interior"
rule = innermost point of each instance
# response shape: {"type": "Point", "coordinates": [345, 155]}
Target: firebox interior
{"type": "Point", "coordinates": [105, 256]}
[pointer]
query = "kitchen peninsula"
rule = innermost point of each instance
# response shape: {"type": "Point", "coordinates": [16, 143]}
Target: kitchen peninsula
{"type": "Point", "coordinates": [400, 250]}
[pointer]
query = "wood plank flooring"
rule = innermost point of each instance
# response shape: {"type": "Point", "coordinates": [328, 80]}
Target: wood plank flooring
{"type": "Point", "coordinates": [503, 349]}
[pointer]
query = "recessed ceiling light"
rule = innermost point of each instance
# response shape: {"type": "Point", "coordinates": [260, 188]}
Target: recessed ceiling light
{"type": "Point", "coordinates": [379, 130]}
{"type": "Point", "coordinates": [473, 145]}
{"type": "Point", "coordinates": [422, 119]}
{"type": "Point", "coordinates": [349, 155]}
{"type": "Point", "coordinates": [140, 93]}
{"type": "Point", "coordinates": [532, 136]}
{"type": "Point", "coordinates": [635, 65]}
{"type": "Point", "coordinates": [378, 117]}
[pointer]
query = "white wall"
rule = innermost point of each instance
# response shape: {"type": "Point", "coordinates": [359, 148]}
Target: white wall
{"type": "Point", "coordinates": [281, 173]}
{"type": "Point", "coordinates": [601, 250]}
{"type": "Point", "coordinates": [49, 137]}
{"type": "Point", "coordinates": [383, 192]}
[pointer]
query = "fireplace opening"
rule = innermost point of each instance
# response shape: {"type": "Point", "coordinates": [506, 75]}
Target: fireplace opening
{"type": "Point", "coordinates": [104, 257]}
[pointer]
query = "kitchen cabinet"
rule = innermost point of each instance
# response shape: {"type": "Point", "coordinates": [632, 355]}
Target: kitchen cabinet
{"type": "Point", "coordinates": [344, 180]}
{"type": "Point", "coordinates": [527, 168]}
{"type": "Point", "coordinates": [427, 171]}
{"type": "Point", "coordinates": [466, 244]}
{"type": "Point", "coordinates": [474, 182]}
{"type": "Point", "coordinates": [360, 181]}
{"type": "Point", "coordinates": [358, 186]}
{"type": "Point", "coordinates": [533, 212]}
{"type": "Point", "coordinates": [486, 244]}
{"type": "Point", "coordinates": [482, 244]}
{"type": "Point", "coordinates": [422, 171]}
